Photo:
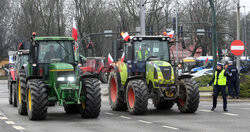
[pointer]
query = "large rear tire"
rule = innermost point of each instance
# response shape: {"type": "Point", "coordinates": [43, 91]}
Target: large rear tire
{"type": "Point", "coordinates": [71, 109]}
{"type": "Point", "coordinates": [21, 92]}
{"type": "Point", "coordinates": [189, 97]}
{"type": "Point", "coordinates": [91, 90]}
{"type": "Point", "coordinates": [162, 104]}
{"type": "Point", "coordinates": [137, 97]}
{"type": "Point", "coordinates": [14, 94]}
{"type": "Point", "coordinates": [37, 99]}
{"type": "Point", "coordinates": [116, 93]}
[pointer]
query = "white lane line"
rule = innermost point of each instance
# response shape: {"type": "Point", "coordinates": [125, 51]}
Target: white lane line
{"type": "Point", "coordinates": [205, 110]}
{"type": "Point", "coordinates": [107, 113]}
{"type": "Point", "coordinates": [230, 114]}
{"type": "Point", "coordinates": [10, 122]}
{"type": "Point", "coordinates": [18, 127]}
{"type": "Point", "coordinates": [3, 118]}
{"type": "Point", "coordinates": [174, 128]}
{"type": "Point", "coordinates": [125, 117]}
{"type": "Point", "coordinates": [147, 122]}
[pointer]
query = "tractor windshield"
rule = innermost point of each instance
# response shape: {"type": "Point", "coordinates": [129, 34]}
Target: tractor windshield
{"type": "Point", "coordinates": [151, 48]}
{"type": "Point", "coordinates": [55, 51]}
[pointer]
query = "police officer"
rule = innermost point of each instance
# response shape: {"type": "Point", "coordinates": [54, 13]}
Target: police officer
{"type": "Point", "coordinates": [233, 79]}
{"type": "Point", "coordinates": [219, 80]}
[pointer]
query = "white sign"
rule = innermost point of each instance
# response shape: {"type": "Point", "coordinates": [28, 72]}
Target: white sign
{"type": "Point", "coordinates": [108, 31]}
{"type": "Point", "coordinates": [200, 32]}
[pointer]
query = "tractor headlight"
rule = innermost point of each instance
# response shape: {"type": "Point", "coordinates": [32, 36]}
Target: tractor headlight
{"type": "Point", "coordinates": [61, 79]}
{"type": "Point", "coordinates": [71, 79]}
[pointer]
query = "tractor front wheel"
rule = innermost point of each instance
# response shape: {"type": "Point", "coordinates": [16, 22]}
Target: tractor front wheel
{"type": "Point", "coordinates": [14, 94]}
{"type": "Point", "coordinates": [91, 90]}
{"type": "Point", "coordinates": [116, 93]}
{"type": "Point", "coordinates": [37, 99]}
{"type": "Point", "coordinates": [103, 75]}
{"type": "Point", "coordinates": [137, 97]}
{"type": "Point", "coordinates": [189, 97]}
{"type": "Point", "coordinates": [21, 94]}
{"type": "Point", "coordinates": [162, 104]}
{"type": "Point", "coordinates": [10, 90]}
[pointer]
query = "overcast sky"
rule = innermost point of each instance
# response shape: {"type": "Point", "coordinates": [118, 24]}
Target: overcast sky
{"type": "Point", "coordinates": [245, 3]}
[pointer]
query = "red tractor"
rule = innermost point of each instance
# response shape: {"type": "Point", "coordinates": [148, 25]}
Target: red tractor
{"type": "Point", "coordinates": [94, 65]}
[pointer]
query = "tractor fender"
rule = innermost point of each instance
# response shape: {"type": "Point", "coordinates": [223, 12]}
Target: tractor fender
{"type": "Point", "coordinates": [88, 76]}
{"type": "Point", "coordinates": [184, 77]}
{"type": "Point", "coordinates": [134, 77]}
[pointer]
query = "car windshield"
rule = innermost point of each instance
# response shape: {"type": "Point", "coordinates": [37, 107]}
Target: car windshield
{"type": "Point", "coordinates": [151, 48]}
{"type": "Point", "coordinates": [55, 51]}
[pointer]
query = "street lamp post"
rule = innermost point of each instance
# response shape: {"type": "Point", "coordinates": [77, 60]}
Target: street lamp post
{"type": "Point", "coordinates": [214, 35]}
{"type": "Point", "coordinates": [142, 17]}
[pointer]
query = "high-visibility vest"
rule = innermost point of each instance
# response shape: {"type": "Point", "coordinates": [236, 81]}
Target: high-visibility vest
{"type": "Point", "coordinates": [140, 54]}
{"type": "Point", "coordinates": [222, 80]}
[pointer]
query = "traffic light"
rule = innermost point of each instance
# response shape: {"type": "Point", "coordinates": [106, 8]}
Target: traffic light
{"type": "Point", "coordinates": [180, 31]}
{"type": "Point", "coordinates": [210, 32]}
{"type": "Point", "coordinates": [174, 24]}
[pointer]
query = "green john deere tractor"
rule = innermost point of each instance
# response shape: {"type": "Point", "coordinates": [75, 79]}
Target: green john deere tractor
{"type": "Point", "coordinates": [145, 73]}
{"type": "Point", "coordinates": [51, 75]}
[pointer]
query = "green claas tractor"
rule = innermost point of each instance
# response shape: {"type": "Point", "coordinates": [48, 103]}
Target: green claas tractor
{"type": "Point", "coordinates": [146, 73]}
{"type": "Point", "coordinates": [51, 75]}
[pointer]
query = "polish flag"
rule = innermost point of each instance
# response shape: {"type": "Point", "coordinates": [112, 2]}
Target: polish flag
{"type": "Point", "coordinates": [170, 34]}
{"type": "Point", "coordinates": [206, 60]}
{"type": "Point", "coordinates": [110, 59]}
{"type": "Point", "coordinates": [74, 30]}
{"type": "Point", "coordinates": [125, 36]}
{"type": "Point", "coordinates": [123, 57]}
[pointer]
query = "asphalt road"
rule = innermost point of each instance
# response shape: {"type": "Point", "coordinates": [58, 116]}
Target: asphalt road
{"type": "Point", "coordinates": [236, 120]}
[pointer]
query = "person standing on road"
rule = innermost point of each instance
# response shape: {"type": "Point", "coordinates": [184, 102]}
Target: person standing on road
{"type": "Point", "coordinates": [233, 89]}
{"type": "Point", "coordinates": [219, 80]}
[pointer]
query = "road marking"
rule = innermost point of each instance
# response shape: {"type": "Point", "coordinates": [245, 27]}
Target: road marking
{"type": "Point", "coordinates": [245, 108]}
{"type": "Point", "coordinates": [174, 128]}
{"type": "Point", "coordinates": [147, 122]}
{"type": "Point", "coordinates": [230, 114]}
{"type": "Point", "coordinates": [107, 113]}
{"type": "Point", "coordinates": [3, 118]}
{"type": "Point", "coordinates": [10, 122]}
{"type": "Point", "coordinates": [125, 117]}
{"type": "Point", "coordinates": [18, 127]}
{"type": "Point", "coordinates": [205, 110]}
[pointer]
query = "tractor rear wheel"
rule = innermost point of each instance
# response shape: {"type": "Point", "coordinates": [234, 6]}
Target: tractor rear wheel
{"type": "Point", "coordinates": [137, 96]}
{"type": "Point", "coordinates": [103, 75]}
{"type": "Point", "coordinates": [21, 94]}
{"type": "Point", "coordinates": [10, 90]}
{"type": "Point", "coordinates": [162, 104]}
{"type": "Point", "coordinates": [37, 99]}
{"type": "Point", "coordinates": [71, 108]}
{"type": "Point", "coordinates": [116, 93]}
{"type": "Point", "coordinates": [189, 97]}
{"type": "Point", "coordinates": [91, 90]}
{"type": "Point", "coordinates": [14, 94]}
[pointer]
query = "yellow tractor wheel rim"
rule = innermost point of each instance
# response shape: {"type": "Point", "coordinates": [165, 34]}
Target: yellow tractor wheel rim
{"type": "Point", "coordinates": [83, 106]}
{"type": "Point", "coordinates": [29, 99]}
{"type": "Point", "coordinates": [19, 92]}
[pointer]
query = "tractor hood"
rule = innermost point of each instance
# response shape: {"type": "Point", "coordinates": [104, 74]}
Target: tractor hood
{"type": "Point", "coordinates": [61, 67]}
{"type": "Point", "coordinates": [160, 71]}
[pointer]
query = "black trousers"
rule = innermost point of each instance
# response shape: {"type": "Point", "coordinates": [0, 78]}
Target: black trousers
{"type": "Point", "coordinates": [233, 89]}
{"type": "Point", "coordinates": [216, 91]}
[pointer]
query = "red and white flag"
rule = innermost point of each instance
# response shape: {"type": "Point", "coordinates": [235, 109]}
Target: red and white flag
{"type": "Point", "coordinates": [206, 60]}
{"type": "Point", "coordinates": [110, 59]}
{"type": "Point", "coordinates": [123, 57]}
{"type": "Point", "coordinates": [125, 36]}
{"type": "Point", "coordinates": [74, 30]}
{"type": "Point", "coordinates": [170, 34]}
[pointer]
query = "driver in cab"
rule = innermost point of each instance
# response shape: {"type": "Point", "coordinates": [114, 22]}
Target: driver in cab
{"type": "Point", "coordinates": [142, 53]}
{"type": "Point", "coordinates": [50, 54]}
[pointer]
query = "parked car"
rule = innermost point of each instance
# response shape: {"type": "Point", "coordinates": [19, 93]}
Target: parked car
{"type": "Point", "coordinates": [203, 73]}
